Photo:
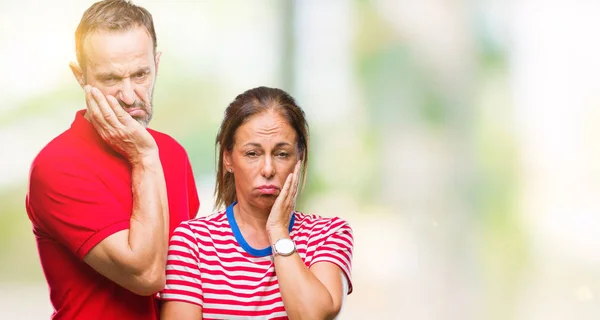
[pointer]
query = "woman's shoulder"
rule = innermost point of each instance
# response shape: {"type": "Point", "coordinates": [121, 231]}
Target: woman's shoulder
{"type": "Point", "coordinates": [212, 221]}
{"type": "Point", "coordinates": [319, 222]}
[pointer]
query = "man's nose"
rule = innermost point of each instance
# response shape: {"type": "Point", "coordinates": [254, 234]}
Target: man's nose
{"type": "Point", "coordinates": [127, 93]}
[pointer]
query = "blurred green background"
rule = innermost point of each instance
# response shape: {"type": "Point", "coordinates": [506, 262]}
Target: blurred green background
{"type": "Point", "coordinates": [457, 137]}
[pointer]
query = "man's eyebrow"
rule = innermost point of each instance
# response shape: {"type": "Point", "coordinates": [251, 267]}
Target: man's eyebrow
{"type": "Point", "coordinates": [142, 70]}
{"type": "Point", "coordinates": [107, 75]}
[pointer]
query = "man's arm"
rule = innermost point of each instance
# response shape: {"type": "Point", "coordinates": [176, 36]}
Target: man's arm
{"type": "Point", "coordinates": [133, 258]}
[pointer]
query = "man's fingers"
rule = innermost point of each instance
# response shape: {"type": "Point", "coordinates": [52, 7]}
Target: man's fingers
{"type": "Point", "coordinates": [92, 107]}
{"type": "Point", "coordinates": [107, 113]}
{"type": "Point", "coordinates": [121, 114]}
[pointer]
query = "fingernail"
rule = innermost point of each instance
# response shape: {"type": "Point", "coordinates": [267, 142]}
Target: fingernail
{"type": "Point", "coordinates": [86, 88]}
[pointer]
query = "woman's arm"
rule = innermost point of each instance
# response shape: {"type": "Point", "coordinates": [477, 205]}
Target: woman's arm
{"type": "Point", "coordinates": [182, 296]}
{"type": "Point", "coordinates": [318, 292]}
{"type": "Point", "coordinates": [315, 293]}
{"type": "Point", "coordinates": [179, 310]}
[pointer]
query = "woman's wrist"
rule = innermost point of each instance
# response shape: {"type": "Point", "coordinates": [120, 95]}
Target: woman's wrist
{"type": "Point", "coordinates": [277, 233]}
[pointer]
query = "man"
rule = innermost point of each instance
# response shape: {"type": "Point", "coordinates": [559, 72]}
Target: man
{"type": "Point", "coordinates": [105, 195]}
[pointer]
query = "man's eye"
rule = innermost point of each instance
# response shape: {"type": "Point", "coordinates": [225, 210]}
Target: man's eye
{"type": "Point", "coordinates": [140, 75]}
{"type": "Point", "coordinates": [109, 80]}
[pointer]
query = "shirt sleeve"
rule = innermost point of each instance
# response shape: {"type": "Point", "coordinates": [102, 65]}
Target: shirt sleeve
{"type": "Point", "coordinates": [72, 205]}
{"type": "Point", "coordinates": [183, 282]}
{"type": "Point", "coordinates": [194, 201]}
{"type": "Point", "coordinates": [337, 248]}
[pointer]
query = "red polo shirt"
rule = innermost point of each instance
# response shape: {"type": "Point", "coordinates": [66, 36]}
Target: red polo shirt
{"type": "Point", "coordinates": [79, 194]}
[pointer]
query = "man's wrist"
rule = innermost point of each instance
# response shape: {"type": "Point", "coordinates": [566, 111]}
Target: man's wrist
{"type": "Point", "coordinates": [146, 160]}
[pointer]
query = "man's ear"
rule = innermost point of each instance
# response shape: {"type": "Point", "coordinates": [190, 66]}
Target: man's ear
{"type": "Point", "coordinates": [157, 60]}
{"type": "Point", "coordinates": [78, 73]}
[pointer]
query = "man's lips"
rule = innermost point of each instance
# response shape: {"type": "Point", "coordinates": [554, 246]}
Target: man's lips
{"type": "Point", "coordinates": [135, 111]}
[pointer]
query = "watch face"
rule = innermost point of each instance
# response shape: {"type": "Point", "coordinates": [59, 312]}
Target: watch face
{"type": "Point", "coordinates": [285, 246]}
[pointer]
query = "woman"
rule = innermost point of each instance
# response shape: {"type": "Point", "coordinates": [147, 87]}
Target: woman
{"type": "Point", "coordinates": [259, 258]}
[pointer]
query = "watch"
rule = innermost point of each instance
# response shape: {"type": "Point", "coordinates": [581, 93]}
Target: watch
{"type": "Point", "coordinates": [284, 247]}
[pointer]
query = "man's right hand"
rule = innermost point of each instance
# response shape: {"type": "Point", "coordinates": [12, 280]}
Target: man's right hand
{"type": "Point", "coordinates": [134, 258]}
{"type": "Point", "coordinates": [117, 127]}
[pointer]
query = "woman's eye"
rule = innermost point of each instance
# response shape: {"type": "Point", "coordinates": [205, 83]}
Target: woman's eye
{"type": "Point", "coordinates": [251, 154]}
{"type": "Point", "coordinates": [282, 154]}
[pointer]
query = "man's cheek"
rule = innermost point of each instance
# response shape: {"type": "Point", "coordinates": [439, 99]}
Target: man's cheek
{"type": "Point", "coordinates": [144, 94]}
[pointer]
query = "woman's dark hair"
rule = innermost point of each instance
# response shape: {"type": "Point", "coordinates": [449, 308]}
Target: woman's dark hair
{"type": "Point", "coordinates": [250, 103]}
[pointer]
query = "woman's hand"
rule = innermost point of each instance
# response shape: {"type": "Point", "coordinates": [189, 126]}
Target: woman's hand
{"type": "Point", "coordinates": [117, 128]}
{"type": "Point", "coordinates": [281, 212]}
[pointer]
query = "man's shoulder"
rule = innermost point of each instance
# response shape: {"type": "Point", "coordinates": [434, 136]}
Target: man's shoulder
{"type": "Point", "coordinates": [162, 137]}
{"type": "Point", "coordinates": [165, 141]}
{"type": "Point", "coordinates": [58, 151]}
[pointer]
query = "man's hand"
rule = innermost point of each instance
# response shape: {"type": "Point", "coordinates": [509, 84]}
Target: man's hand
{"type": "Point", "coordinates": [134, 258]}
{"type": "Point", "coordinates": [117, 127]}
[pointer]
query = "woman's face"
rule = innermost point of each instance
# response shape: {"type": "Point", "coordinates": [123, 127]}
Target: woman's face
{"type": "Point", "coordinates": [264, 153]}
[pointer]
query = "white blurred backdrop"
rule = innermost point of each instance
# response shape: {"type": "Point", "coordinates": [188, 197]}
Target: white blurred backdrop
{"type": "Point", "coordinates": [457, 137]}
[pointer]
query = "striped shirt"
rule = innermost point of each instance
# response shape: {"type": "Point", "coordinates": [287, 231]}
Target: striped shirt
{"type": "Point", "coordinates": [211, 265]}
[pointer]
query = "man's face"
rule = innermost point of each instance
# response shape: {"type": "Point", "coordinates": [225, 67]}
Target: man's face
{"type": "Point", "coordinates": [123, 64]}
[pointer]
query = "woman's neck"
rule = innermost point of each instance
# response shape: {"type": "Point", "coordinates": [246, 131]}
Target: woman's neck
{"type": "Point", "coordinates": [249, 217]}
{"type": "Point", "coordinates": [252, 222]}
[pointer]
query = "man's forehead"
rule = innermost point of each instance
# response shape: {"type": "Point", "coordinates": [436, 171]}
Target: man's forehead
{"type": "Point", "coordinates": [109, 46]}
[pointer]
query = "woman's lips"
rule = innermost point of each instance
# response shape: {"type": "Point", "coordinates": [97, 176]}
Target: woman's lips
{"type": "Point", "coordinates": [268, 189]}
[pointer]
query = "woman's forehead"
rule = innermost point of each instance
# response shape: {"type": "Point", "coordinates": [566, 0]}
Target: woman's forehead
{"type": "Point", "coordinates": [266, 125]}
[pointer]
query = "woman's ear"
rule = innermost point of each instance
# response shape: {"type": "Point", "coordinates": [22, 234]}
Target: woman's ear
{"type": "Point", "coordinates": [227, 160]}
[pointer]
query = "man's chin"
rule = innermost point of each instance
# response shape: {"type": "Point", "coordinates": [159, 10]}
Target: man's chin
{"type": "Point", "coordinates": [143, 121]}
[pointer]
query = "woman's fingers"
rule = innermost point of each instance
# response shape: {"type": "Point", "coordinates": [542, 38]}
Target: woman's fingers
{"type": "Point", "coordinates": [285, 191]}
{"type": "Point", "coordinates": [295, 184]}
